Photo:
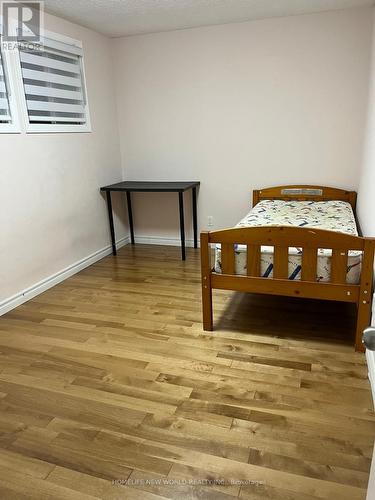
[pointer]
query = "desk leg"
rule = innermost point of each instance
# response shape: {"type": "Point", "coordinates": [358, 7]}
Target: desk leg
{"type": "Point", "coordinates": [195, 222]}
{"type": "Point", "coordinates": [111, 226]}
{"type": "Point", "coordinates": [130, 216]}
{"type": "Point", "coordinates": [182, 224]}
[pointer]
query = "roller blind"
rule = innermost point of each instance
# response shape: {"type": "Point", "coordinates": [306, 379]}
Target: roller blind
{"type": "Point", "coordinates": [5, 116]}
{"type": "Point", "coordinates": [53, 84]}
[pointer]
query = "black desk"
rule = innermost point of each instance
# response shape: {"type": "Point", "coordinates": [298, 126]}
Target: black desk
{"type": "Point", "coordinates": [153, 187]}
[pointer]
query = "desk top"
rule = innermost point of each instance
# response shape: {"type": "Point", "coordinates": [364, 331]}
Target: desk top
{"type": "Point", "coordinates": [157, 186]}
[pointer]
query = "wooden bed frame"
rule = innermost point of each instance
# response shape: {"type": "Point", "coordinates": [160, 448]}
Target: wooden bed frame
{"type": "Point", "coordinates": [282, 237]}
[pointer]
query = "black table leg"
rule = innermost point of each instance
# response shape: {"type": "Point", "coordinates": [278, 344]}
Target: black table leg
{"type": "Point", "coordinates": [111, 226]}
{"type": "Point", "coordinates": [182, 223]}
{"type": "Point", "coordinates": [195, 222]}
{"type": "Point", "coordinates": [130, 215]}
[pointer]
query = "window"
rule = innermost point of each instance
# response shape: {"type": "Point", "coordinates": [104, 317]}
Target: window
{"type": "Point", "coordinates": [8, 114]}
{"type": "Point", "coordinates": [45, 84]}
{"type": "Point", "coordinates": [54, 88]}
{"type": "Point", "coordinates": [5, 116]}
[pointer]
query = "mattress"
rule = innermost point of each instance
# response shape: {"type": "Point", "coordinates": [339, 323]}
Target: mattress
{"type": "Point", "coordinates": [330, 215]}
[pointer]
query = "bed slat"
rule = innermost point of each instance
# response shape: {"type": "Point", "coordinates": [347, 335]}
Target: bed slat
{"type": "Point", "coordinates": [253, 260]}
{"type": "Point", "coordinates": [227, 258]}
{"type": "Point", "coordinates": [280, 262]}
{"type": "Point", "coordinates": [309, 264]}
{"type": "Point", "coordinates": [339, 266]}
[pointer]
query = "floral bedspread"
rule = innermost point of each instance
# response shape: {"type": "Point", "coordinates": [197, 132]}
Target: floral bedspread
{"type": "Point", "coordinates": [330, 215]}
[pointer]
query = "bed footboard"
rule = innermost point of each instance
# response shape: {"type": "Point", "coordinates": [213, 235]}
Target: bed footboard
{"type": "Point", "coordinates": [281, 238]}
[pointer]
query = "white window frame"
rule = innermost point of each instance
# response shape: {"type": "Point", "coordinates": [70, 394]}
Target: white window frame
{"type": "Point", "coordinates": [13, 127]}
{"type": "Point", "coordinates": [51, 128]}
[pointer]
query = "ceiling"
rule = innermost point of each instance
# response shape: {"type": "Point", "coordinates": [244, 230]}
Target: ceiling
{"type": "Point", "coordinates": [116, 18]}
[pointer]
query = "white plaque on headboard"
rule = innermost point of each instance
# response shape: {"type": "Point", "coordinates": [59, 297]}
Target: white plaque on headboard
{"type": "Point", "coordinates": [303, 191]}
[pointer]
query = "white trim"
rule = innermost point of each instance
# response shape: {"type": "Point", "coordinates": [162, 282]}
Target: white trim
{"type": "Point", "coordinates": [53, 43]}
{"type": "Point", "coordinates": [40, 287]}
{"type": "Point", "coordinates": [10, 84]}
{"type": "Point", "coordinates": [50, 35]}
{"type": "Point", "coordinates": [34, 290]}
{"type": "Point", "coordinates": [370, 358]}
{"type": "Point", "coordinates": [58, 37]}
{"type": "Point", "coordinates": [156, 240]}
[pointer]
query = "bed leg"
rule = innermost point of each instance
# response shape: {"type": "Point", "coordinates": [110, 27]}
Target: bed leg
{"type": "Point", "coordinates": [207, 307]}
{"type": "Point", "coordinates": [206, 282]}
{"type": "Point", "coordinates": [365, 294]}
{"type": "Point", "coordinates": [363, 321]}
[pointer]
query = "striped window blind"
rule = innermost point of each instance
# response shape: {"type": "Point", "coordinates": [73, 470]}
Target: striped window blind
{"type": "Point", "coordinates": [5, 114]}
{"type": "Point", "coordinates": [54, 84]}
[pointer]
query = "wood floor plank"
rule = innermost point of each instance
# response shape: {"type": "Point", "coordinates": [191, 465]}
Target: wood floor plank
{"type": "Point", "coordinates": [35, 488]}
{"type": "Point", "coordinates": [238, 470]}
{"type": "Point", "coordinates": [110, 389]}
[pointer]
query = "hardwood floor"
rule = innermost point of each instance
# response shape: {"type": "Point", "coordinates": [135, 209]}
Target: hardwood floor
{"type": "Point", "coordinates": [110, 389]}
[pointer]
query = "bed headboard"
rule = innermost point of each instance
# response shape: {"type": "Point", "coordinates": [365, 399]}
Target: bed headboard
{"type": "Point", "coordinates": [304, 192]}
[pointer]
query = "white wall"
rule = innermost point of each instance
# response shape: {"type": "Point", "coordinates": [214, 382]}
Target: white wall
{"type": "Point", "coordinates": [366, 216]}
{"type": "Point", "coordinates": [366, 193]}
{"type": "Point", "coordinates": [371, 484]}
{"type": "Point", "coordinates": [242, 106]}
{"type": "Point", "coordinates": [51, 212]}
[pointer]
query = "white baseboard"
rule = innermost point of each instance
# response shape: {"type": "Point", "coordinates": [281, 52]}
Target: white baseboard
{"type": "Point", "coordinates": [34, 290]}
{"type": "Point", "coordinates": [156, 240]}
{"type": "Point", "coordinates": [370, 357]}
